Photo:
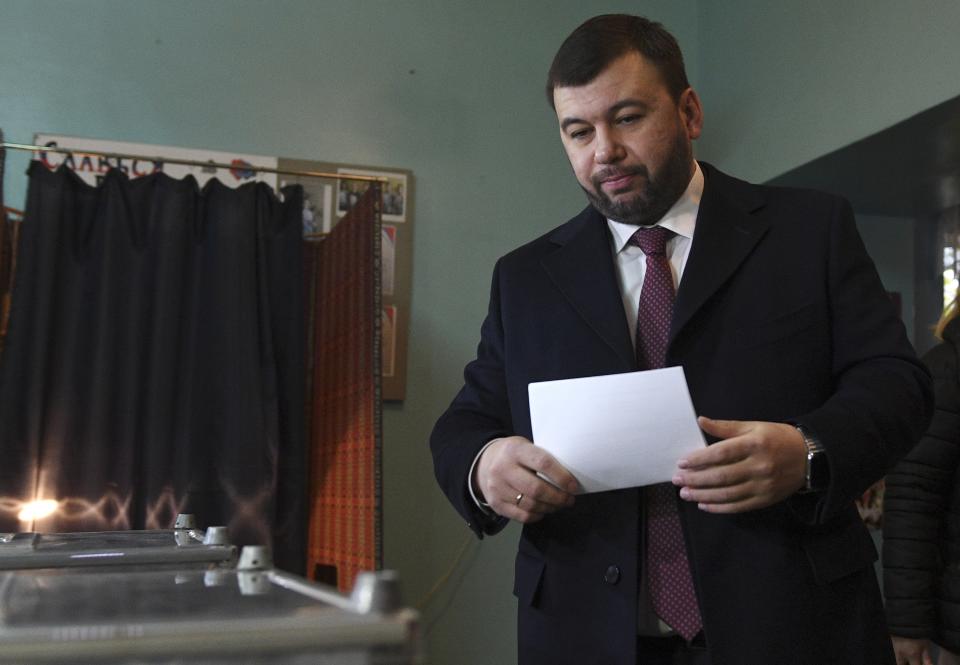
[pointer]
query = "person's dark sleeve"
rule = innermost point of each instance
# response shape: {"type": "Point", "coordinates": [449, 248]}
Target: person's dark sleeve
{"type": "Point", "coordinates": [915, 507]}
{"type": "Point", "coordinates": [882, 397]}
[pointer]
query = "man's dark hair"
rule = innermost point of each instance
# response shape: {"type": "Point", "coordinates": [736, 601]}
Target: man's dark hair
{"type": "Point", "coordinates": [602, 39]}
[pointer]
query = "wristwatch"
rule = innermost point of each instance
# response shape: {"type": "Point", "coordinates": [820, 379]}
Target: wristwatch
{"type": "Point", "coordinates": [818, 472]}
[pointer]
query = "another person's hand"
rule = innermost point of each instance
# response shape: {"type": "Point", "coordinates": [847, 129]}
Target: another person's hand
{"type": "Point", "coordinates": [506, 478]}
{"type": "Point", "coordinates": [753, 465]}
{"type": "Point", "coordinates": [912, 652]}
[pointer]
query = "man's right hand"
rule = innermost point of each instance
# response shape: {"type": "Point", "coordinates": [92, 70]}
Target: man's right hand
{"type": "Point", "coordinates": [508, 469]}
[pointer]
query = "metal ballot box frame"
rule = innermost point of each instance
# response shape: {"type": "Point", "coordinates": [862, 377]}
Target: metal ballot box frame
{"type": "Point", "coordinates": [184, 545]}
{"type": "Point", "coordinates": [245, 615]}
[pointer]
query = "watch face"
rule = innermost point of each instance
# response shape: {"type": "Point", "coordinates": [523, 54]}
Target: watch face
{"type": "Point", "coordinates": [819, 472]}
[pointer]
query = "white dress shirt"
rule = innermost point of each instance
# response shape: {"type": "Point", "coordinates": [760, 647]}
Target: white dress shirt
{"type": "Point", "coordinates": [630, 260]}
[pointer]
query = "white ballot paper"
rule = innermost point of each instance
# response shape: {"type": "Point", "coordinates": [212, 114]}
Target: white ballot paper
{"type": "Point", "coordinates": [619, 430]}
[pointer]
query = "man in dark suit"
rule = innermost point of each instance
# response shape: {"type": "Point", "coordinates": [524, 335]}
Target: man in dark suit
{"type": "Point", "coordinates": [788, 343]}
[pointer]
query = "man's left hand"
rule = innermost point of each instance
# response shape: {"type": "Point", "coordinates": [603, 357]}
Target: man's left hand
{"type": "Point", "coordinates": [753, 465]}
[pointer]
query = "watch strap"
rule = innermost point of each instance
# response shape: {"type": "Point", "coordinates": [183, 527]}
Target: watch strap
{"type": "Point", "coordinates": [815, 456]}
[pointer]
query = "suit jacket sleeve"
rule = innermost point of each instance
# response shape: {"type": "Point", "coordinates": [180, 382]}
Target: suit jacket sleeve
{"type": "Point", "coordinates": [479, 413]}
{"type": "Point", "coordinates": [882, 399]}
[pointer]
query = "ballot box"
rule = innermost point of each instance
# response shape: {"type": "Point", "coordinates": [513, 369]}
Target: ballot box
{"type": "Point", "coordinates": [184, 545]}
{"type": "Point", "coordinates": [251, 613]}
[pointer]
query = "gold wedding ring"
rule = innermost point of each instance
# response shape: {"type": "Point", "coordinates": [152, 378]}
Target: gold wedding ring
{"type": "Point", "coordinates": [518, 499]}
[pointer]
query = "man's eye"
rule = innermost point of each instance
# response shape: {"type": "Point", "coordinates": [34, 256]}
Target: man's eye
{"type": "Point", "coordinates": [579, 134]}
{"type": "Point", "coordinates": [628, 119]}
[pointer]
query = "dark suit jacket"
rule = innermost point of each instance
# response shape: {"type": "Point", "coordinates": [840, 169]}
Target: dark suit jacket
{"type": "Point", "coordinates": [779, 316]}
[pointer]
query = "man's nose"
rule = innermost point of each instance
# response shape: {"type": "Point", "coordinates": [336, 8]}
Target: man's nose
{"type": "Point", "coordinates": [608, 149]}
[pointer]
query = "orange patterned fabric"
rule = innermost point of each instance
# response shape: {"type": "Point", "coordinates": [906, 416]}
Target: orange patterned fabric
{"type": "Point", "coordinates": [344, 535]}
{"type": "Point", "coordinates": [9, 230]}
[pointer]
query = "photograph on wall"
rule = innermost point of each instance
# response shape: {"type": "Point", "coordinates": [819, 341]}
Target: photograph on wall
{"type": "Point", "coordinates": [388, 258]}
{"type": "Point", "coordinates": [317, 204]}
{"type": "Point", "coordinates": [394, 202]}
{"type": "Point", "coordinates": [388, 340]}
{"type": "Point", "coordinates": [93, 167]}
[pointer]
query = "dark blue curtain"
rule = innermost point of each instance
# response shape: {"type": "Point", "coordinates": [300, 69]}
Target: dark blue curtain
{"type": "Point", "coordinates": [154, 359]}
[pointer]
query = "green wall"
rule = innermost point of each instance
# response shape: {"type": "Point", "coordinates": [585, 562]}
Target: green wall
{"type": "Point", "coordinates": [787, 81]}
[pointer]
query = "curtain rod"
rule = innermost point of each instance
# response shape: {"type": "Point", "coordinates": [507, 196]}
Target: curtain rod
{"type": "Point", "coordinates": [191, 162]}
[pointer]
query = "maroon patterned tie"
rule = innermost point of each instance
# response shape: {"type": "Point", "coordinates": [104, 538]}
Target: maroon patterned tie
{"type": "Point", "coordinates": [668, 570]}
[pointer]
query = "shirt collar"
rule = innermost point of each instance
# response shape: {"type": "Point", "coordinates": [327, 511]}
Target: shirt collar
{"type": "Point", "coordinates": [681, 218]}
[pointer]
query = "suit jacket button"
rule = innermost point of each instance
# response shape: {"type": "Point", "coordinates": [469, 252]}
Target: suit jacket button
{"type": "Point", "coordinates": [612, 576]}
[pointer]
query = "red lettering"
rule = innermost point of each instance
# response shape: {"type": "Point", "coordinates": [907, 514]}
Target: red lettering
{"type": "Point", "coordinates": [44, 157]}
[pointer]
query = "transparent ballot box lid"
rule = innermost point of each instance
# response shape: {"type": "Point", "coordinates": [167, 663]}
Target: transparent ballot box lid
{"type": "Point", "coordinates": [184, 545]}
{"type": "Point", "coordinates": [194, 616]}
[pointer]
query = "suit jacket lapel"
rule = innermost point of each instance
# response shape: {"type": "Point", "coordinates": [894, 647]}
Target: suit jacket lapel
{"type": "Point", "coordinates": [725, 233]}
{"type": "Point", "coordinates": [582, 269]}
{"type": "Point", "coordinates": [582, 266]}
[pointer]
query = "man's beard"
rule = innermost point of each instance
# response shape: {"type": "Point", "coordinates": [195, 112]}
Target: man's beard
{"type": "Point", "coordinates": [655, 196]}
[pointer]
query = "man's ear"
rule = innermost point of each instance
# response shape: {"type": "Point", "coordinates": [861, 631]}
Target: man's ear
{"type": "Point", "coordinates": [691, 112]}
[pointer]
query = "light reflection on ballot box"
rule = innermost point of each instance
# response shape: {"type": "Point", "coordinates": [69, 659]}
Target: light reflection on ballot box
{"type": "Point", "coordinates": [154, 609]}
{"type": "Point", "coordinates": [184, 545]}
